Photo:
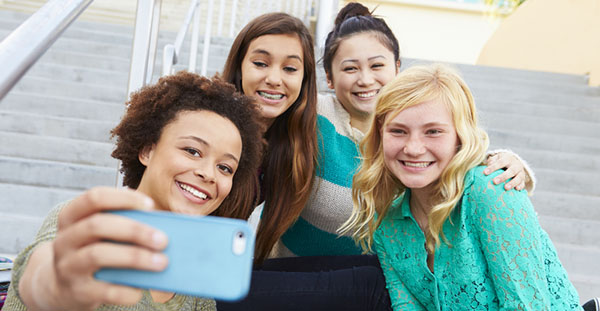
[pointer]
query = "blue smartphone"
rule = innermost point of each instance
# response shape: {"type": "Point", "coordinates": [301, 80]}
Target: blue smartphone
{"type": "Point", "coordinates": [209, 256]}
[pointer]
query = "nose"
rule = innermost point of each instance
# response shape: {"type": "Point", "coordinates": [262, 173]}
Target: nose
{"type": "Point", "coordinates": [206, 173]}
{"type": "Point", "coordinates": [365, 78]}
{"type": "Point", "coordinates": [414, 146]}
{"type": "Point", "coordinates": [273, 77]}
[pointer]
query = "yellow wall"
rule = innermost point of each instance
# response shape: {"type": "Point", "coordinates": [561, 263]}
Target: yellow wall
{"type": "Point", "coordinates": [549, 35]}
{"type": "Point", "coordinates": [437, 30]}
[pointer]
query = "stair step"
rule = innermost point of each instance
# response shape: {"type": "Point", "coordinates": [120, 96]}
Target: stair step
{"type": "Point", "coordinates": [571, 231]}
{"type": "Point", "coordinates": [511, 138]}
{"type": "Point", "coordinates": [567, 112]}
{"type": "Point", "coordinates": [55, 174]}
{"type": "Point", "coordinates": [560, 161]}
{"type": "Point", "coordinates": [31, 201]}
{"type": "Point", "coordinates": [58, 106]}
{"type": "Point", "coordinates": [568, 182]}
{"type": "Point", "coordinates": [28, 123]}
{"type": "Point", "coordinates": [34, 147]}
{"type": "Point", "coordinates": [87, 46]}
{"type": "Point", "coordinates": [535, 124]}
{"type": "Point", "coordinates": [19, 17]}
{"type": "Point", "coordinates": [72, 89]}
{"type": "Point", "coordinates": [78, 59]}
{"type": "Point", "coordinates": [501, 74]}
{"type": "Point", "coordinates": [80, 74]}
{"type": "Point", "coordinates": [22, 231]}
{"type": "Point", "coordinates": [566, 205]}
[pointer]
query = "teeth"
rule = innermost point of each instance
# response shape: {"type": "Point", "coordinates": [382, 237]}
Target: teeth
{"type": "Point", "coordinates": [193, 191]}
{"type": "Point", "coordinates": [419, 164]}
{"type": "Point", "coordinates": [270, 96]}
{"type": "Point", "coordinates": [367, 94]}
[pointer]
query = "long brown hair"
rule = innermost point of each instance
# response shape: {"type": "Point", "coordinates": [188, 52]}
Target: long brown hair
{"type": "Point", "coordinates": [291, 156]}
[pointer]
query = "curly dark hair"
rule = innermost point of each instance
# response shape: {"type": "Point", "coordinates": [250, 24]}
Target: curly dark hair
{"type": "Point", "coordinates": [153, 107]}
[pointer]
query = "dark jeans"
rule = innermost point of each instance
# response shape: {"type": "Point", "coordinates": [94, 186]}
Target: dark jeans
{"type": "Point", "coordinates": [316, 283]}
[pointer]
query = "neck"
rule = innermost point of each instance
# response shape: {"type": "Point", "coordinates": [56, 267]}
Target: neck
{"type": "Point", "coordinates": [420, 205]}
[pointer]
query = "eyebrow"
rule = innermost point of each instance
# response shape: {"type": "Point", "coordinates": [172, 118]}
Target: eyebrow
{"type": "Point", "coordinates": [430, 124]}
{"type": "Point", "coordinates": [204, 142]}
{"type": "Point", "coordinates": [265, 52]}
{"type": "Point", "coordinates": [370, 58]}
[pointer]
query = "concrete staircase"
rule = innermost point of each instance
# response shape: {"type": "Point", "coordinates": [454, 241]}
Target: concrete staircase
{"type": "Point", "coordinates": [55, 123]}
{"type": "Point", "coordinates": [54, 136]}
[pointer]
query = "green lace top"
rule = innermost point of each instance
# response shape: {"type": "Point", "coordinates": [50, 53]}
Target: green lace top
{"type": "Point", "coordinates": [47, 233]}
{"type": "Point", "coordinates": [498, 257]}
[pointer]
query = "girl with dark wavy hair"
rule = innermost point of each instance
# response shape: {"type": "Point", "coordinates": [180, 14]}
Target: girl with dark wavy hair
{"type": "Point", "coordinates": [188, 145]}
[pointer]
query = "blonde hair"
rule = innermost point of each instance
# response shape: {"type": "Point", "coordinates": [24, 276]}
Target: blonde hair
{"type": "Point", "coordinates": [374, 187]}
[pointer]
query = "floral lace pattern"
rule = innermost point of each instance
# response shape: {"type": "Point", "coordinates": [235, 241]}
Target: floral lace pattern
{"type": "Point", "coordinates": [498, 257]}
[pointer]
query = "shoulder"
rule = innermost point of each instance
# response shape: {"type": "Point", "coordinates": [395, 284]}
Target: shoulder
{"type": "Point", "coordinates": [484, 196]}
{"type": "Point", "coordinates": [330, 111]}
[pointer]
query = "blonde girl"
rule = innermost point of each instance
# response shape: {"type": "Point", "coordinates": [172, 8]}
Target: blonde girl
{"type": "Point", "coordinates": [445, 234]}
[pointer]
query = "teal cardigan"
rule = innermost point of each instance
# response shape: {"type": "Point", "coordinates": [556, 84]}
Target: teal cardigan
{"type": "Point", "coordinates": [498, 257]}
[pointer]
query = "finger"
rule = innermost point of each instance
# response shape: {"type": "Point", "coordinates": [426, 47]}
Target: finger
{"type": "Point", "coordinates": [108, 227]}
{"type": "Point", "coordinates": [94, 293]}
{"type": "Point", "coordinates": [100, 199]}
{"type": "Point", "coordinates": [93, 257]}
{"type": "Point", "coordinates": [518, 182]}
{"type": "Point", "coordinates": [506, 175]}
{"type": "Point", "coordinates": [493, 164]}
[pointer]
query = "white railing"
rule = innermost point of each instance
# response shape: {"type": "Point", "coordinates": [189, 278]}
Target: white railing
{"type": "Point", "coordinates": [303, 9]}
{"type": "Point", "coordinates": [24, 46]}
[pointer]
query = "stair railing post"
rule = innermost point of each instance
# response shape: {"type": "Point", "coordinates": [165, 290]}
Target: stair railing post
{"type": "Point", "coordinates": [233, 19]}
{"type": "Point", "coordinates": [207, 35]}
{"type": "Point", "coordinates": [141, 63]}
{"type": "Point", "coordinates": [194, 42]}
{"type": "Point", "coordinates": [221, 17]}
{"type": "Point", "coordinates": [145, 37]}
{"type": "Point", "coordinates": [326, 15]}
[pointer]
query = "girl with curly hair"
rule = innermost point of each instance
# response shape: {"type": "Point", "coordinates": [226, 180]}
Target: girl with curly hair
{"type": "Point", "coordinates": [188, 145]}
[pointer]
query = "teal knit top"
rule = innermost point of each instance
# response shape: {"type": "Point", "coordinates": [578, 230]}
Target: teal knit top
{"type": "Point", "coordinates": [330, 203]}
{"type": "Point", "coordinates": [498, 257]}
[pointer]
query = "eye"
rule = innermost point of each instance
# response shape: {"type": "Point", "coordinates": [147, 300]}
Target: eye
{"type": "Point", "coordinates": [259, 63]}
{"type": "Point", "coordinates": [225, 168]}
{"type": "Point", "coordinates": [377, 65]}
{"type": "Point", "coordinates": [350, 69]}
{"type": "Point", "coordinates": [290, 69]}
{"type": "Point", "coordinates": [192, 151]}
{"type": "Point", "coordinates": [397, 131]}
{"type": "Point", "coordinates": [433, 132]}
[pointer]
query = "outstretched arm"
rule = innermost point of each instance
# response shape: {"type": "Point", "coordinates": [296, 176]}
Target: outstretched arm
{"type": "Point", "coordinates": [59, 272]}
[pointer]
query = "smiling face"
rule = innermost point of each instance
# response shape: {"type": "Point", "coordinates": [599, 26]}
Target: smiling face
{"type": "Point", "coordinates": [272, 72]}
{"type": "Point", "coordinates": [190, 169]}
{"type": "Point", "coordinates": [418, 143]}
{"type": "Point", "coordinates": [361, 66]}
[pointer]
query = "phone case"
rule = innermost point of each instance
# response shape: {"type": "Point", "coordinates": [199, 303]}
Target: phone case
{"type": "Point", "coordinates": [208, 256]}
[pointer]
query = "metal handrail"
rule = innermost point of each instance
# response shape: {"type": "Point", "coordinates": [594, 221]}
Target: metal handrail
{"type": "Point", "coordinates": [24, 46]}
{"type": "Point", "coordinates": [171, 52]}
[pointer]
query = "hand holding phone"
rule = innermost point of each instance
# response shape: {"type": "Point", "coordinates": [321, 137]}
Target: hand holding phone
{"type": "Point", "coordinates": [208, 256]}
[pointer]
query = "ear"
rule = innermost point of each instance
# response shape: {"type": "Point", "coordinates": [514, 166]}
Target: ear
{"type": "Point", "coordinates": [398, 64]}
{"type": "Point", "coordinates": [329, 81]}
{"type": "Point", "coordinates": [146, 154]}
